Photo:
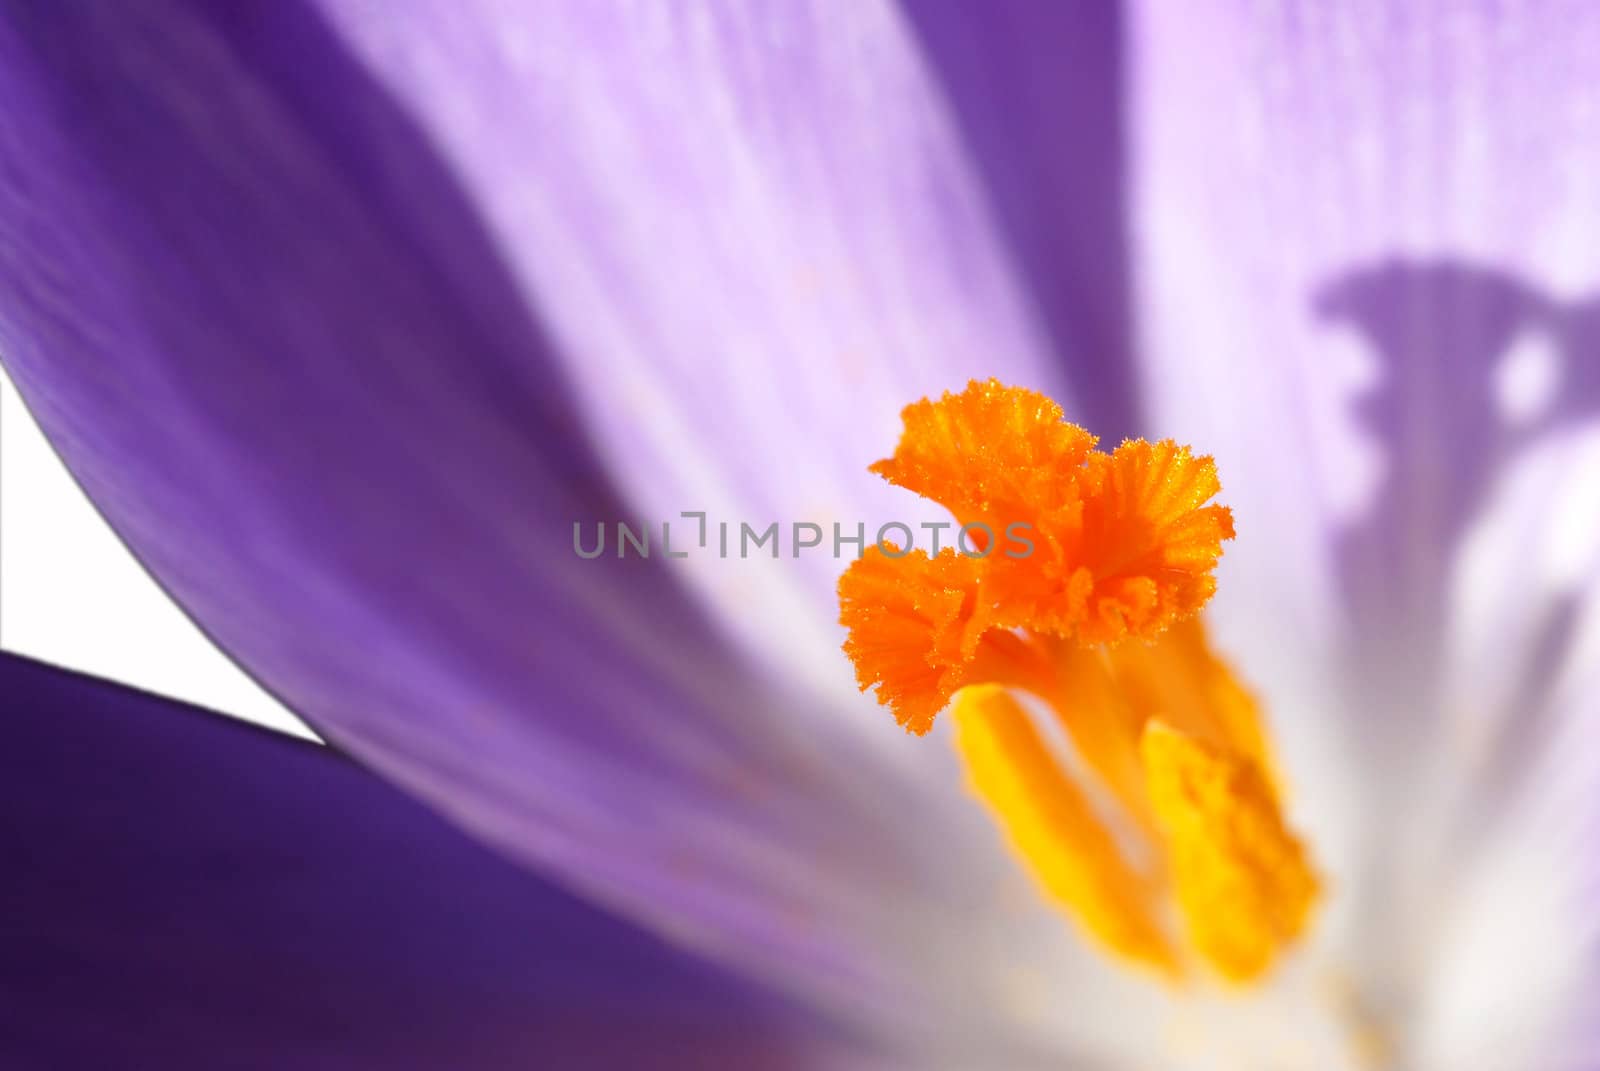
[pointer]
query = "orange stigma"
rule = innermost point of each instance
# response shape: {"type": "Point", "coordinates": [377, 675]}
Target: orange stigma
{"type": "Point", "coordinates": [1080, 585]}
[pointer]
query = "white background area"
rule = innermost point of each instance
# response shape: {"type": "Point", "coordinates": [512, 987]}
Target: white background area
{"type": "Point", "coordinates": [72, 595]}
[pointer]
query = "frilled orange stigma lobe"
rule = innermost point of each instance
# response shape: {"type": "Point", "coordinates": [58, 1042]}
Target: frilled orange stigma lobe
{"type": "Point", "coordinates": [1149, 543]}
{"type": "Point", "coordinates": [1119, 544]}
{"type": "Point", "coordinates": [1099, 622]}
{"type": "Point", "coordinates": [990, 454]}
{"type": "Point", "coordinates": [914, 626]}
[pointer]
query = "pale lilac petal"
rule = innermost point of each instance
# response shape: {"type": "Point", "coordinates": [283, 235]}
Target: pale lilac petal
{"type": "Point", "coordinates": [759, 230]}
{"type": "Point", "coordinates": [1365, 241]}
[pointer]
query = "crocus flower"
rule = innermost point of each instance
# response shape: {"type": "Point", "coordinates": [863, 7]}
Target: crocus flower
{"type": "Point", "coordinates": [344, 312]}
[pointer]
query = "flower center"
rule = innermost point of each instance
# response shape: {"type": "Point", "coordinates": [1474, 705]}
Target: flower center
{"type": "Point", "coordinates": [1159, 829]}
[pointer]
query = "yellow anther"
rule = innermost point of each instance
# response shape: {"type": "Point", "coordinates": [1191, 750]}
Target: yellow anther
{"type": "Point", "coordinates": [1241, 878]}
{"type": "Point", "coordinates": [1052, 827]}
{"type": "Point", "coordinates": [1180, 680]}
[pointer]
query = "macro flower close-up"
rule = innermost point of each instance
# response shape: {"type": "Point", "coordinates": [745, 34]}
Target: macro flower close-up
{"type": "Point", "coordinates": [831, 533]}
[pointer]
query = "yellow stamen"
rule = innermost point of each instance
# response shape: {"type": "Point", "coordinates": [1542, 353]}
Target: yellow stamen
{"type": "Point", "coordinates": [1089, 702]}
{"type": "Point", "coordinates": [1181, 681]}
{"type": "Point", "coordinates": [1241, 878]}
{"type": "Point", "coordinates": [1100, 624]}
{"type": "Point", "coordinates": [1052, 827]}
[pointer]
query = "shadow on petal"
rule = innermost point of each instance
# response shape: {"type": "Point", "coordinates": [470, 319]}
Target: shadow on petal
{"type": "Point", "coordinates": [1453, 736]}
{"type": "Point", "coordinates": [1446, 421]}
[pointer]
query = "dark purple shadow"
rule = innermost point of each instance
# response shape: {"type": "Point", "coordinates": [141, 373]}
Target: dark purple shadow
{"type": "Point", "coordinates": [1037, 90]}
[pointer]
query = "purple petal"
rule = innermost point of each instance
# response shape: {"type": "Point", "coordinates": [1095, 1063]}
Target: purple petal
{"type": "Point", "coordinates": [183, 889]}
{"type": "Point", "coordinates": [269, 276]}
{"type": "Point", "coordinates": [270, 335]}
